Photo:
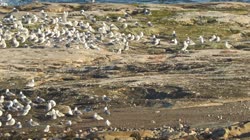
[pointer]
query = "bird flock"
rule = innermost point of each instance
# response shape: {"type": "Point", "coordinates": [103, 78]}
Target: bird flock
{"type": "Point", "coordinates": [42, 30]}
{"type": "Point", "coordinates": [15, 110]}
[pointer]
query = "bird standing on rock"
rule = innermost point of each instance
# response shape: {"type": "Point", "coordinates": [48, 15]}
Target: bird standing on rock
{"type": "Point", "coordinates": [227, 45]}
{"type": "Point", "coordinates": [106, 111]}
{"type": "Point", "coordinates": [33, 123]}
{"type": "Point", "coordinates": [98, 117]}
{"type": "Point", "coordinates": [108, 123]}
{"type": "Point", "coordinates": [11, 122]}
{"type": "Point", "coordinates": [185, 45]}
{"type": "Point", "coordinates": [31, 84]}
{"type": "Point", "coordinates": [46, 130]}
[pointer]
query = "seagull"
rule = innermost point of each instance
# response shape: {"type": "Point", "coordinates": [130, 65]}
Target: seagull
{"type": "Point", "coordinates": [212, 38]}
{"type": "Point", "coordinates": [108, 123]}
{"type": "Point", "coordinates": [126, 47]}
{"type": "Point", "coordinates": [53, 103]}
{"type": "Point", "coordinates": [76, 111]}
{"type": "Point", "coordinates": [15, 43]}
{"type": "Point", "coordinates": [1, 99]}
{"type": "Point", "coordinates": [26, 110]}
{"type": "Point", "coordinates": [52, 114]}
{"type": "Point", "coordinates": [174, 34]}
{"type": "Point", "coordinates": [106, 111]}
{"type": "Point", "coordinates": [185, 45]}
{"type": "Point", "coordinates": [201, 39]}
{"type": "Point", "coordinates": [217, 39]}
{"type": "Point", "coordinates": [49, 106]}
{"type": "Point", "coordinates": [8, 93]}
{"type": "Point", "coordinates": [17, 103]}
{"type": "Point", "coordinates": [46, 130]}
{"type": "Point", "coordinates": [11, 122]}
{"type": "Point", "coordinates": [150, 24]}
{"type": "Point", "coordinates": [40, 100]}
{"type": "Point", "coordinates": [147, 12]}
{"type": "Point", "coordinates": [98, 117]}
{"type": "Point", "coordinates": [9, 105]}
{"type": "Point", "coordinates": [33, 123]}
{"type": "Point", "coordinates": [227, 45]}
{"type": "Point", "coordinates": [190, 42]}
{"type": "Point", "coordinates": [18, 125]}
{"type": "Point", "coordinates": [157, 41]}
{"type": "Point", "coordinates": [119, 51]}
{"type": "Point", "coordinates": [69, 123]}
{"type": "Point", "coordinates": [31, 84]}
{"type": "Point", "coordinates": [82, 12]}
{"type": "Point", "coordinates": [106, 99]}
{"type": "Point", "coordinates": [175, 41]}
{"type": "Point", "coordinates": [8, 117]}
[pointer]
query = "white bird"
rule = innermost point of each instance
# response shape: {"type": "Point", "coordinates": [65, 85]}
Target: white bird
{"type": "Point", "coordinates": [150, 24]}
{"type": "Point", "coordinates": [126, 47]}
{"type": "Point", "coordinates": [48, 106]}
{"type": "Point", "coordinates": [227, 45]}
{"type": "Point", "coordinates": [46, 130]}
{"type": "Point", "coordinates": [18, 125]}
{"type": "Point", "coordinates": [1, 112]}
{"type": "Point", "coordinates": [9, 105]}
{"type": "Point", "coordinates": [175, 41]}
{"type": "Point", "coordinates": [33, 123]}
{"type": "Point", "coordinates": [15, 43]}
{"type": "Point", "coordinates": [53, 103]}
{"type": "Point", "coordinates": [174, 34]}
{"type": "Point", "coordinates": [76, 111]}
{"type": "Point", "coordinates": [212, 38]}
{"type": "Point", "coordinates": [106, 99]}
{"type": "Point", "coordinates": [1, 99]}
{"type": "Point", "coordinates": [8, 117]}
{"type": "Point", "coordinates": [52, 114]}
{"type": "Point", "coordinates": [26, 110]}
{"type": "Point", "coordinates": [98, 117]}
{"type": "Point", "coordinates": [108, 123]}
{"type": "Point", "coordinates": [40, 100]}
{"type": "Point", "coordinates": [8, 93]}
{"type": "Point", "coordinates": [82, 11]}
{"type": "Point", "coordinates": [17, 104]}
{"type": "Point", "coordinates": [201, 39]}
{"type": "Point", "coordinates": [69, 123]}
{"type": "Point", "coordinates": [11, 122]}
{"type": "Point", "coordinates": [31, 84]}
{"type": "Point", "coordinates": [157, 41]}
{"type": "Point", "coordinates": [185, 45]}
{"type": "Point", "coordinates": [190, 42]}
{"type": "Point", "coordinates": [106, 111]}
{"type": "Point", "coordinates": [119, 51]}
{"type": "Point", "coordinates": [217, 39]}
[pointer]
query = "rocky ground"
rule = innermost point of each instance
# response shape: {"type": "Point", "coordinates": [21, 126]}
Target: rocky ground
{"type": "Point", "coordinates": [156, 92]}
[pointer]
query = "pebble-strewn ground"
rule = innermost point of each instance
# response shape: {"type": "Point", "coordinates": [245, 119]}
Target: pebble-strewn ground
{"type": "Point", "coordinates": [154, 88]}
